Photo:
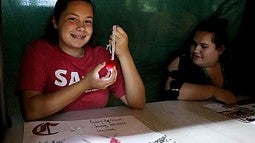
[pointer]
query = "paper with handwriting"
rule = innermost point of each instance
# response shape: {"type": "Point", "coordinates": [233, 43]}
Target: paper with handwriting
{"type": "Point", "coordinates": [121, 129]}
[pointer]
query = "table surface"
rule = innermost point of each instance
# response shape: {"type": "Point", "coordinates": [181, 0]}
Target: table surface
{"type": "Point", "coordinates": [183, 121]}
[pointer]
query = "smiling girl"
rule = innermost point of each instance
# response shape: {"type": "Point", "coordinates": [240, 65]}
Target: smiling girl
{"type": "Point", "coordinates": [62, 71]}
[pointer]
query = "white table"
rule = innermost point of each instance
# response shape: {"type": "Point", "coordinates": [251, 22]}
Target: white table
{"type": "Point", "coordinates": [183, 121]}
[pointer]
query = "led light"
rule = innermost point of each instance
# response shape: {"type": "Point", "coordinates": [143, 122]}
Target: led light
{"type": "Point", "coordinates": [109, 64]}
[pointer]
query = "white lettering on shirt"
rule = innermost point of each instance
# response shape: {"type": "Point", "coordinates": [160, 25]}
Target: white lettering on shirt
{"type": "Point", "coordinates": [74, 78]}
{"type": "Point", "coordinates": [61, 79]}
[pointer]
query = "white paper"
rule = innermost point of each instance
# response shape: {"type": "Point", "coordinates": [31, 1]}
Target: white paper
{"type": "Point", "coordinates": [218, 107]}
{"type": "Point", "coordinates": [244, 113]}
{"type": "Point", "coordinates": [122, 129]}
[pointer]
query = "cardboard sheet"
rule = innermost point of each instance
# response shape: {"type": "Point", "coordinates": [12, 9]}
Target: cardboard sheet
{"type": "Point", "coordinates": [122, 129]}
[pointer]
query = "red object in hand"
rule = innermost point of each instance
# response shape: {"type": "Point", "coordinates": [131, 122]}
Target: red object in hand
{"type": "Point", "coordinates": [109, 64]}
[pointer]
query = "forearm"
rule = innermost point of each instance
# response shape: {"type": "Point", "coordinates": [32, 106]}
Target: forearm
{"type": "Point", "coordinates": [38, 106]}
{"type": "Point", "coordinates": [135, 91]}
{"type": "Point", "coordinates": [201, 92]}
{"type": "Point", "coordinates": [190, 91]}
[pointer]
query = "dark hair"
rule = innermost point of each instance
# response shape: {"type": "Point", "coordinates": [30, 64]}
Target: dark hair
{"type": "Point", "coordinates": [51, 34]}
{"type": "Point", "coordinates": [217, 26]}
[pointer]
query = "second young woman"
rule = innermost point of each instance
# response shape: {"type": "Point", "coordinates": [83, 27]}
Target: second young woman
{"type": "Point", "coordinates": [201, 73]}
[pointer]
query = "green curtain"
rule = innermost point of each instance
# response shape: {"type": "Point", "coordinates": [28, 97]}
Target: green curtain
{"type": "Point", "coordinates": [156, 28]}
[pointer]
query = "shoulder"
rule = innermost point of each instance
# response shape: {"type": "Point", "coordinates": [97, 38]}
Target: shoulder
{"type": "Point", "coordinates": [97, 50]}
{"type": "Point", "coordinates": [39, 44]}
{"type": "Point", "coordinates": [178, 60]}
{"type": "Point", "coordinates": [39, 48]}
{"type": "Point", "coordinates": [174, 64]}
{"type": "Point", "coordinates": [185, 61]}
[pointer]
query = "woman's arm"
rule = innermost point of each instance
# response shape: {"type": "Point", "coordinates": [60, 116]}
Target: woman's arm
{"type": "Point", "coordinates": [189, 91]}
{"type": "Point", "coordinates": [135, 91]}
{"type": "Point", "coordinates": [37, 105]}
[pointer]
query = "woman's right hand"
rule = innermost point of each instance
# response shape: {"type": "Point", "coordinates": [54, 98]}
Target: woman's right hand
{"type": "Point", "coordinates": [95, 81]}
{"type": "Point", "coordinates": [225, 96]}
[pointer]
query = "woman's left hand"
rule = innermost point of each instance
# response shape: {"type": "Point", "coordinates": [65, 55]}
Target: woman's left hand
{"type": "Point", "coordinates": [121, 41]}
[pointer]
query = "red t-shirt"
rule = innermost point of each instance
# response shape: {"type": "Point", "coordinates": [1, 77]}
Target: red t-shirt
{"type": "Point", "coordinates": [46, 68]}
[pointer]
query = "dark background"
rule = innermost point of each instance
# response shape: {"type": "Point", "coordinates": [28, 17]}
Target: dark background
{"type": "Point", "coordinates": [244, 53]}
{"type": "Point", "coordinates": [156, 28]}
